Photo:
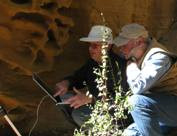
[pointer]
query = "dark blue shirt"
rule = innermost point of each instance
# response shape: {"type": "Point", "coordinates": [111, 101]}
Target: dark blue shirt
{"type": "Point", "coordinates": [86, 74]}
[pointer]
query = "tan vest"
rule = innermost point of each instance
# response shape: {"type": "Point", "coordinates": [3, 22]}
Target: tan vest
{"type": "Point", "coordinates": [168, 82]}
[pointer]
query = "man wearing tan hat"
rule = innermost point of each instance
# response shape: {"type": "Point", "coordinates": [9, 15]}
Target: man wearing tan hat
{"type": "Point", "coordinates": [152, 76]}
{"type": "Point", "coordinates": [79, 109]}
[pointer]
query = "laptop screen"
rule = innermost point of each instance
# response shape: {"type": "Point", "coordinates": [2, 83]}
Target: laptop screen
{"type": "Point", "coordinates": [45, 87]}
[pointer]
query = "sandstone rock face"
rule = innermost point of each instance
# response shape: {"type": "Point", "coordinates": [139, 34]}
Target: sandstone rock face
{"type": "Point", "coordinates": [33, 32]}
{"type": "Point", "coordinates": [42, 36]}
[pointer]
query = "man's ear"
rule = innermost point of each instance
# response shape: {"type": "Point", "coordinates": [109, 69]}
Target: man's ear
{"type": "Point", "coordinates": [140, 40]}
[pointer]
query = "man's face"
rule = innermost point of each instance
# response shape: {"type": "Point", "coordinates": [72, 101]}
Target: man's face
{"type": "Point", "coordinates": [134, 48]}
{"type": "Point", "coordinates": [95, 51]}
{"type": "Point", "coordinates": [125, 50]}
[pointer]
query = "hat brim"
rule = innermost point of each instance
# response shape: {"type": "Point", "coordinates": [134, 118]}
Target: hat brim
{"type": "Point", "coordinates": [120, 41]}
{"type": "Point", "coordinates": [92, 39]}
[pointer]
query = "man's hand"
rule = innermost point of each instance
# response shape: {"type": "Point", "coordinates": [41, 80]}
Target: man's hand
{"type": "Point", "coordinates": [61, 88]}
{"type": "Point", "coordinates": [78, 100]}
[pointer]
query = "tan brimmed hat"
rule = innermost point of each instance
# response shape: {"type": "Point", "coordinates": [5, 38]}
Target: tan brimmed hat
{"type": "Point", "coordinates": [129, 32]}
{"type": "Point", "coordinates": [98, 33]}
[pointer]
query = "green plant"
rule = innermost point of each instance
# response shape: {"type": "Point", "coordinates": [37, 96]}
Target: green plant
{"type": "Point", "coordinates": [108, 115]}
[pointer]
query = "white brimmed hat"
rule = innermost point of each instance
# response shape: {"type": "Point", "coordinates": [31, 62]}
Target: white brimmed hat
{"type": "Point", "coordinates": [99, 33]}
{"type": "Point", "coordinates": [129, 32]}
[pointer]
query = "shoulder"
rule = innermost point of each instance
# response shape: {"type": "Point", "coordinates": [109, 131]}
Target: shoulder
{"type": "Point", "coordinates": [157, 56]}
{"type": "Point", "coordinates": [156, 51]}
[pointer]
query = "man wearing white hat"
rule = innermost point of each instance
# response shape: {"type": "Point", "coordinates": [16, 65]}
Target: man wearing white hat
{"type": "Point", "coordinates": [152, 76]}
{"type": "Point", "coordinates": [81, 111]}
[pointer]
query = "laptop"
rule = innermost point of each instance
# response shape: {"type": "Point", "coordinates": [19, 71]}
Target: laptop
{"type": "Point", "coordinates": [46, 88]}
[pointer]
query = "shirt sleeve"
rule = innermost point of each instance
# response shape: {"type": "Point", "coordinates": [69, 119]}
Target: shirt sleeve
{"type": "Point", "coordinates": [140, 80]}
{"type": "Point", "coordinates": [78, 77]}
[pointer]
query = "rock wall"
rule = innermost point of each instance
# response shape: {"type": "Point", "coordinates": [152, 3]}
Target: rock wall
{"type": "Point", "coordinates": [32, 32]}
{"type": "Point", "coordinates": [42, 36]}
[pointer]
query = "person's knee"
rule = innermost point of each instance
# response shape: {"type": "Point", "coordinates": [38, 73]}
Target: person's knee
{"type": "Point", "coordinates": [77, 117]}
{"type": "Point", "coordinates": [140, 101]}
{"type": "Point", "coordinates": [135, 100]}
{"type": "Point", "coordinates": [81, 115]}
